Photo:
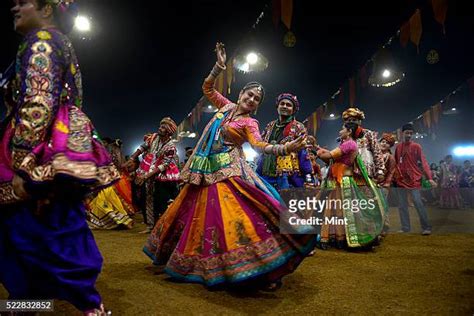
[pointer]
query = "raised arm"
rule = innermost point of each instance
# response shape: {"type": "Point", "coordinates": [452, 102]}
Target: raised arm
{"type": "Point", "coordinates": [208, 86]}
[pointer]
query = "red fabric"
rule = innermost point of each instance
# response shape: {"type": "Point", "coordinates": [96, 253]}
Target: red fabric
{"type": "Point", "coordinates": [407, 156]}
{"type": "Point", "coordinates": [440, 8]}
{"type": "Point", "coordinates": [405, 34]}
{"type": "Point", "coordinates": [390, 166]}
{"type": "Point", "coordinates": [287, 12]}
{"type": "Point", "coordinates": [416, 29]}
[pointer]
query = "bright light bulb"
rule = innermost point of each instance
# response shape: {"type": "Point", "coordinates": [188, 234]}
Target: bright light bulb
{"type": "Point", "coordinates": [252, 58]}
{"type": "Point", "coordinates": [331, 115]}
{"type": "Point", "coordinates": [209, 106]}
{"type": "Point", "coordinates": [453, 109]}
{"type": "Point", "coordinates": [82, 23]}
{"type": "Point", "coordinates": [386, 73]}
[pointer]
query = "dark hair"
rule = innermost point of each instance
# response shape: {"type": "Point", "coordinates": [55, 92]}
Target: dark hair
{"type": "Point", "coordinates": [448, 156]}
{"type": "Point", "coordinates": [354, 128]}
{"type": "Point", "coordinates": [63, 15]}
{"type": "Point", "coordinates": [408, 127]}
{"type": "Point", "coordinates": [188, 148]}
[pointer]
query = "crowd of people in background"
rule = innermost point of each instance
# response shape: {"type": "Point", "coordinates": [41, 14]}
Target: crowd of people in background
{"type": "Point", "coordinates": [113, 207]}
{"type": "Point", "coordinates": [454, 183]}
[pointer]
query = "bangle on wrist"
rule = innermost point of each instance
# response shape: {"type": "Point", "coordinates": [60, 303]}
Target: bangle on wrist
{"type": "Point", "coordinates": [16, 197]}
{"type": "Point", "coordinates": [222, 67]}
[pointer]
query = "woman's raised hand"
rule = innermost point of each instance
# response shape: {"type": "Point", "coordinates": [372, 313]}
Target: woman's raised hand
{"type": "Point", "coordinates": [221, 55]}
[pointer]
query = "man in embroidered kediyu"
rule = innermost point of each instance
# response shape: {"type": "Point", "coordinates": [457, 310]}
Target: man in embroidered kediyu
{"type": "Point", "coordinates": [158, 173]}
{"type": "Point", "coordinates": [50, 158]}
{"type": "Point", "coordinates": [289, 170]}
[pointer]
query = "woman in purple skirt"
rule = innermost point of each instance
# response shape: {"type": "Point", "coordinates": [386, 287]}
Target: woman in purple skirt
{"type": "Point", "coordinates": [50, 158]}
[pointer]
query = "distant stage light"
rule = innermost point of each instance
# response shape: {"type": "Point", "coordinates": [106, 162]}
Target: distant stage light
{"type": "Point", "coordinates": [464, 151]}
{"type": "Point", "coordinates": [82, 23]}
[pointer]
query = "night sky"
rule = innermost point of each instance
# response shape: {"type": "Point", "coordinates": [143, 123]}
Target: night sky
{"type": "Point", "coordinates": [140, 63]}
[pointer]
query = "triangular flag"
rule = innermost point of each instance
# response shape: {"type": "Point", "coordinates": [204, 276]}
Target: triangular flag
{"type": "Point", "coordinates": [405, 34]}
{"type": "Point", "coordinates": [230, 75]}
{"type": "Point", "coordinates": [287, 12]}
{"type": "Point", "coordinates": [416, 29]}
{"type": "Point", "coordinates": [440, 8]}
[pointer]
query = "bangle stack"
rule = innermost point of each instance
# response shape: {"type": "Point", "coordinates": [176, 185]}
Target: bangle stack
{"type": "Point", "coordinates": [216, 70]}
{"type": "Point", "coordinates": [280, 150]}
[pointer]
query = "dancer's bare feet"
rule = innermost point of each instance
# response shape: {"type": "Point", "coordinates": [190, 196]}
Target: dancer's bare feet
{"type": "Point", "coordinates": [272, 287]}
{"type": "Point", "coordinates": [98, 311]}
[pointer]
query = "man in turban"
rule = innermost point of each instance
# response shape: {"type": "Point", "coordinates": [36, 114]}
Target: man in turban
{"type": "Point", "coordinates": [158, 172]}
{"type": "Point", "coordinates": [369, 149]}
{"type": "Point", "coordinates": [287, 171]}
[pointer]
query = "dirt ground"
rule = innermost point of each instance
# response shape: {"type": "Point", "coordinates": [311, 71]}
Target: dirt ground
{"type": "Point", "coordinates": [407, 274]}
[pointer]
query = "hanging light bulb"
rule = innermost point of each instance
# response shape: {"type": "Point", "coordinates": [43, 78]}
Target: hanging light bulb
{"type": "Point", "coordinates": [252, 58]}
{"type": "Point", "coordinates": [384, 72]}
{"type": "Point", "coordinates": [251, 62]}
{"type": "Point", "coordinates": [331, 113]}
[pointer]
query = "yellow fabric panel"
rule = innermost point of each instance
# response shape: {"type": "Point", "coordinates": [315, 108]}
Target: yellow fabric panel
{"type": "Point", "coordinates": [336, 153]}
{"type": "Point", "coordinates": [195, 240]}
{"type": "Point", "coordinates": [238, 228]}
{"type": "Point", "coordinates": [105, 202]}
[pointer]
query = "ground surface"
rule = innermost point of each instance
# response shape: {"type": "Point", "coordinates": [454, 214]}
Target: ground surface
{"type": "Point", "coordinates": [407, 274]}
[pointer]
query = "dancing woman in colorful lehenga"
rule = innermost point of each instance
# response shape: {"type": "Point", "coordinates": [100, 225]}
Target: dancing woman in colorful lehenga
{"type": "Point", "coordinates": [357, 219]}
{"type": "Point", "coordinates": [112, 207]}
{"type": "Point", "coordinates": [50, 157]}
{"type": "Point", "coordinates": [123, 188]}
{"type": "Point", "coordinates": [223, 226]}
